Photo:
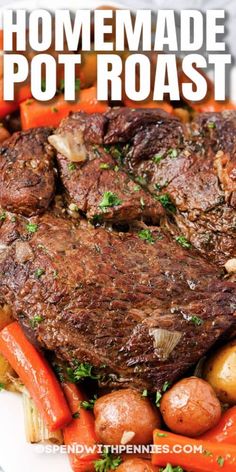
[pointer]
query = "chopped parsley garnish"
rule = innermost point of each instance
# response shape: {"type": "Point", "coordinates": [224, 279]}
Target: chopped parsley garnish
{"type": "Point", "coordinates": [196, 320]}
{"type": "Point", "coordinates": [158, 398]}
{"type": "Point", "coordinates": [146, 235]}
{"type": "Point", "coordinates": [144, 393]}
{"type": "Point", "coordinates": [54, 110]}
{"type": "Point", "coordinates": [161, 435]}
{"type": "Point", "coordinates": [166, 202]}
{"type": "Point", "coordinates": [81, 371]}
{"type": "Point", "coordinates": [107, 149]}
{"type": "Point", "coordinates": [32, 227]}
{"type": "Point", "coordinates": [173, 152]}
{"type": "Point", "coordinates": [76, 415]}
{"type": "Point", "coordinates": [107, 462]}
{"type": "Point", "coordinates": [116, 168]}
{"type": "Point", "coordinates": [88, 404]}
{"type": "Point", "coordinates": [220, 461]}
{"type": "Point", "coordinates": [170, 468]}
{"type": "Point", "coordinates": [55, 274]}
{"type": "Point", "coordinates": [207, 453]}
{"type": "Point", "coordinates": [159, 393]}
{"type": "Point", "coordinates": [183, 242]}
{"type": "Point", "coordinates": [71, 166]}
{"type": "Point", "coordinates": [211, 125]}
{"type": "Point", "coordinates": [104, 165]}
{"type": "Point", "coordinates": [109, 199]}
{"type": "Point", "coordinates": [39, 272]}
{"type": "Point", "coordinates": [137, 188]}
{"type": "Point", "coordinates": [166, 385]}
{"type": "Point", "coordinates": [157, 158]}
{"type": "Point", "coordinates": [3, 216]}
{"type": "Point", "coordinates": [35, 321]}
{"type": "Point", "coordinates": [117, 152]}
{"type": "Point", "coordinates": [2, 386]}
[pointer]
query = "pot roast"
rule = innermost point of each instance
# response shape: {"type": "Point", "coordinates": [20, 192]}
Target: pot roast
{"type": "Point", "coordinates": [125, 273]}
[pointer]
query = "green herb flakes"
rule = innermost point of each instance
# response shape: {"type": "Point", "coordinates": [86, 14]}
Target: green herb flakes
{"type": "Point", "coordinates": [81, 371]}
{"type": "Point", "coordinates": [32, 227]}
{"type": "Point", "coordinates": [104, 165]}
{"type": "Point", "coordinates": [161, 435]}
{"type": "Point", "coordinates": [173, 152]}
{"type": "Point", "coordinates": [220, 461]}
{"type": "Point", "coordinates": [88, 404]}
{"type": "Point", "coordinates": [146, 235]}
{"type": "Point", "coordinates": [107, 462]}
{"type": "Point", "coordinates": [166, 202]}
{"type": "Point", "coordinates": [183, 242]}
{"type": "Point", "coordinates": [157, 158]}
{"type": "Point", "coordinates": [211, 124]}
{"type": "Point", "coordinates": [109, 199]}
{"type": "Point", "coordinates": [71, 166]}
{"type": "Point", "coordinates": [35, 321]}
{"type": "Point", "coordinates": [39, 272]}
{"type": "Point", "coordinates": [3, 216]}
{"type": "Point", "coordinates": [196, 320]}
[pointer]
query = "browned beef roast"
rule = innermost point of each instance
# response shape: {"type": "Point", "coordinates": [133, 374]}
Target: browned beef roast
{"type": "Point", "coordinates": [27, 181]}
{"type": "Point", "coordinates": [95, 182]}
{"type": "Point", "coordinates": [191, 172]}
{"type": "Point", "coordinates": [136, 302]}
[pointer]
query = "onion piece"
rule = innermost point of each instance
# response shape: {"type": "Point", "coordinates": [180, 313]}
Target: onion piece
{"type": "Point", "coordinates": [127, 436]}
{"type": "Point", "coordinates": [35, 428]}
{"type": "Point", "coordinates": [230, 266]}
{"type": "Point", "coordinates": [164, 341]}
{"type": "Point", "coordinates": [69, 146]}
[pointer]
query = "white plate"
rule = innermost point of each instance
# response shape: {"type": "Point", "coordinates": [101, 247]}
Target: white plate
{"type": "Point", "coordinates": [15, 454]}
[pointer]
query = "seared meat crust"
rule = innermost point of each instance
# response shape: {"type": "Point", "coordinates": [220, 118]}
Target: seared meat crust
{"type": "Point", "coordinates": [27, 176]}
{"type": "Point", "coordinates": [147, 310]}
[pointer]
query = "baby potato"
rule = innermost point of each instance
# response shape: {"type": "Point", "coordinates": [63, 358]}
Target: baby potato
{"type": "Point", "coordinates": [190, 407]}
{"type": "Point", "coordinates": [125, 417]}
{"type": "Point", "coordinates": [220, 372]}
{"type": "Point", "coordinates": [136, 465]}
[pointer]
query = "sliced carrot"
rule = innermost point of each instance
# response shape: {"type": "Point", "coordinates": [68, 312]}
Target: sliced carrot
{"type": "Point", "coordinates": [197, 455]}
{"type": "Point", "coordinates": [211, 105]}
{"type": "Point", "coordinates": [81, 431]}
{"type": "Point", "coordinates": [34, 113]}
{"type": "Point", "coordinates": [22, 93]}
{"type": "Point", "coordinates": [225, 430]}
{"type": "Point", "coordinates": [36, 375]}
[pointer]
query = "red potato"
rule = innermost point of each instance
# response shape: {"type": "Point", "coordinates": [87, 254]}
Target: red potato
{"type": "Point", "coordinates": [136, 465]}
{"type": "Point", "coordinates": [125, 417]}
{"type": "Point", "coordinates": [190, 407]}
